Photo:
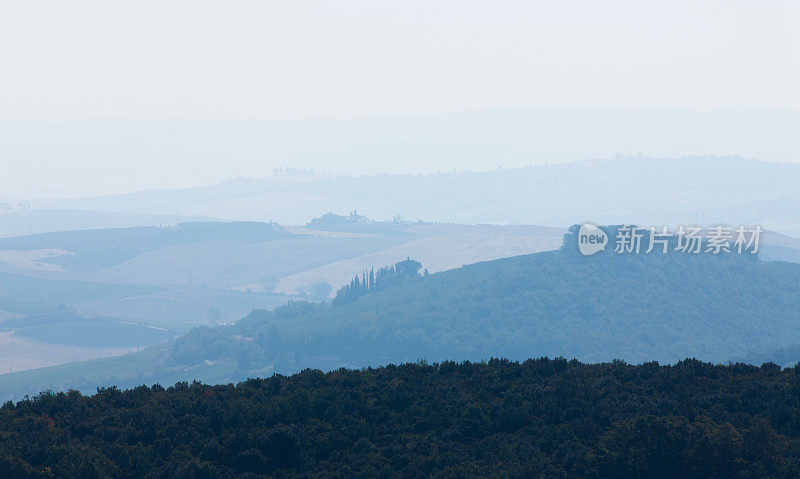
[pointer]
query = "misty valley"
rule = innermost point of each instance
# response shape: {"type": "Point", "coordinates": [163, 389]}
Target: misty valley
{"type": "Point", "coordinates": [110, 317]}
{"type": "Point", "coordinates": [360, 239]}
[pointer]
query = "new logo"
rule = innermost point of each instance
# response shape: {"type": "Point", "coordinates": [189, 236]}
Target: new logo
{"type": "Point", "coordinates": [591, 239]}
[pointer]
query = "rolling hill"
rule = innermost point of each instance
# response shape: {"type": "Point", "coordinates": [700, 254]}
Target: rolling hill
{"type": "Point", "coordinates": [632, 307]}
{"type": "Point", "coordinates": [627, 189]}
{"type": "Point", "coordinates": [165, 280]}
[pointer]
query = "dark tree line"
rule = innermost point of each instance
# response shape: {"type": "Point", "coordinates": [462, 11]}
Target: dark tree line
{"type": "Point", "coordinates": [541, 418]}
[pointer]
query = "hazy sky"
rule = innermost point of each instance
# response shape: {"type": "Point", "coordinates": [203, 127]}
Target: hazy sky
{"type": "Point", "coordinates": [299, 59]}
{"type": "Point", "coordinates": [190, 59]}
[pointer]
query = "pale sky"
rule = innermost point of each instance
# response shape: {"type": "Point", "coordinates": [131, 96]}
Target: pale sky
{"type": "Point", "coordinates": [308, 59]}
{"type": "Point", "coordinates": [203, 61]}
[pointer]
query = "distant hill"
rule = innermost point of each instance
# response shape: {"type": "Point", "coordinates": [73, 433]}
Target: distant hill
{"type": "Point", "coordinates": [477, 140]}
{"type": "Point", "coordinates": [34, 221]}
{"type": "Point", "coordinates": [632, 307]}
{"type": "Point", "coordinates": [92, 249]}
{"type": "Point", "coordinates": [171, 278]}
{"type": "Point", "coordinates": [356, 223]}
{"type": "Point", "coordinates": [629, 189]}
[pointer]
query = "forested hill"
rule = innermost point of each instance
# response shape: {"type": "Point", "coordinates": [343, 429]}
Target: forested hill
{"type": "Point", "coordinates": [542, 418]}
{"type": "Point", "coordinates": [637, 308]}
{"type": "Point", "coordinates": [632, 307]}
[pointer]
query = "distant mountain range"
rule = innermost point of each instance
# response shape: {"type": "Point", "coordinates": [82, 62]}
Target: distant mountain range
{"type": "Point", "coordinates": [89, 157]}
{"type": "Point", "coordinates": [641, 190]}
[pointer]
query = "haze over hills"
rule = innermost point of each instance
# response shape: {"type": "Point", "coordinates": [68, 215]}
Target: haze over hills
{"type": "Point", "coordinates": [631, 307]}
{"type": "Point", "coordinates": [123, 154]}
{"type": "Point", "coordinates": [143, 285]}
{"type": "Point", "coordinates": [21, 220]}
{"type": "Point", "coordinates": [341, 239]}
{"type": "Point", "coordinates": [640, 190]}
{"type": "Point", "coordinates": [153, 283]}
